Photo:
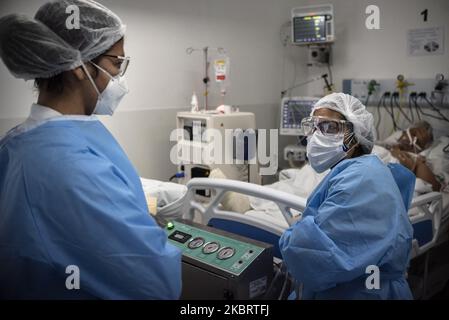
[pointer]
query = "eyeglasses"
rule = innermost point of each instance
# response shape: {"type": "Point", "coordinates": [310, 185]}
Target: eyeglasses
{"type": "Point", "coordinates": [325, 125]}
{"type": "Point", "coordinates": [123, 66]}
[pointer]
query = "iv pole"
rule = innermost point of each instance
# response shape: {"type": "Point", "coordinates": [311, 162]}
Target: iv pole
{"type": "Point", "coordinates": [206, 78]}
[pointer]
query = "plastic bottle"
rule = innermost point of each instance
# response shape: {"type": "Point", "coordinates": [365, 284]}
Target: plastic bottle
{"type": "Point", "coordinates": [194, 103]}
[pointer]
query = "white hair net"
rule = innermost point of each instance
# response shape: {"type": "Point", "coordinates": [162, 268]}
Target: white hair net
{"type": "Point", "coordinates": [354, 111]}
{"type": "Point", "coordinates": [45, 46]}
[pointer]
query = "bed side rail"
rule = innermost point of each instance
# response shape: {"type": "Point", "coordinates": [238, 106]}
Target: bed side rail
{"type": "Point", "coordinates": [285, 201]}
{"type": "Point", "coordinates": [429, 207]}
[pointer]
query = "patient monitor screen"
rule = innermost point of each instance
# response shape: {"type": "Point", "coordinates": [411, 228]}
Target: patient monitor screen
{"type": "Point", "coordinates": [292, 112]}
{"type": "Point", "coordinates": [309, 29]}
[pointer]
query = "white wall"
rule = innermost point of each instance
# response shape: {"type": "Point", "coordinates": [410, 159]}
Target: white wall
{"type": "Point", "coordinates": [162, 76]}
{"type": "Point", "coordinates": [362, 53]}
{"type": "Point", "coordinates": [382, 54]}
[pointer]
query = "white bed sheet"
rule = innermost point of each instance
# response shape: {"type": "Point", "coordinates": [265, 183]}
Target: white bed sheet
{"type": "Point", "coordinates": [169, 196]}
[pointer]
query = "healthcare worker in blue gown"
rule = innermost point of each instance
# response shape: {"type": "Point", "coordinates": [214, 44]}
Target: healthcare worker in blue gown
{"type": "Point", "coordinates": [354, 238]}
{"type": "Point", "coordinates": [71, 204]}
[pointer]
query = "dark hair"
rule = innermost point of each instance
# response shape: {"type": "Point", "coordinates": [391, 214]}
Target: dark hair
{"type": "Point", "coordinates": [55, 84]}
{"type": "Point", "coordinates": [359, 150]}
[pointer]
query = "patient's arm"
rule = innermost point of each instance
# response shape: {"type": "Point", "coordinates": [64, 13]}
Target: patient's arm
{"type": "Point", "coordinates": [423, 171]}
{"type": "Point", "coordinates": [404, 158]}
{"type": "Point", "coordinates": [418, 166]}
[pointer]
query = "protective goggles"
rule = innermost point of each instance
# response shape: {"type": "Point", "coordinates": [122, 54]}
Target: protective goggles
{"type": "Point", "coordinates": [325, 125]}
{"type": "Point", "coordinates": [124, 63]}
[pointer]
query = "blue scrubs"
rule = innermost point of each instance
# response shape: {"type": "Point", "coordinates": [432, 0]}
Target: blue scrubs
{"type": "Point", "coordinates": [355, 218]}
{"type": "Point", "coordinates": [70, 196]}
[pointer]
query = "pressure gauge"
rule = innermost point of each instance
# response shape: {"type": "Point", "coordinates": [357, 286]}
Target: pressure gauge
{"type": "Point", "coordinates": [196, 243]}
{"type": "Point", "coordinates": [226, 253]}
{"type": "Point", "coordinates": [211, 247]}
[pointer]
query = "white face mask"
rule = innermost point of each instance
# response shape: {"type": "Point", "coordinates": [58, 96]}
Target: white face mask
{"type": "Point", "coordinates": [112, 95]}
{"type": "Point", "coordinates": [324, 152]}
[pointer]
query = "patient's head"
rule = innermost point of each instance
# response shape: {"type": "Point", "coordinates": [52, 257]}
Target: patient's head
{"type": "Point", "coordinates": [348, 139]}
{"type": "Point", "coordinates": [416, 138]}
{"type": "Point", "coordinates": [359, 133]}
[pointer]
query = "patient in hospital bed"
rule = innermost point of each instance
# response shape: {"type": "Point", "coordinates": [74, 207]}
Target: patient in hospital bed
{"type": "Point", "coordinates": [416, 149]}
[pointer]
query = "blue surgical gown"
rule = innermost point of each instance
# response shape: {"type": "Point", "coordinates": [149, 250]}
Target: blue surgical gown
{"type": "Point", "coordinates": [70, 196]}
{"type": "Point", "coordinates": [356, 217]}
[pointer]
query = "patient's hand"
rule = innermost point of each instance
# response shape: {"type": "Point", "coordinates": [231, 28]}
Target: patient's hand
{"type": "Point", "coordinates": [418, 166]}
{"type": "Point", "coordinates": [404, 158]}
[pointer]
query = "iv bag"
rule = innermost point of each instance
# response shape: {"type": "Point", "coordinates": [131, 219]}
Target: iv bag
{"type": "Point", "coordinates": [221, 67]}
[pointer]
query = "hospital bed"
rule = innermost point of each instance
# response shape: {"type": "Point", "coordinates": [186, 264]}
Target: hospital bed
{"type": "Point", "coordinates": [163, 198]}
{"type": "Point", "coordinates": [425, 212]}
{"type": "Point", "coordinates": [429, 212]}
{"type": "Point", "coordinates": [257, 228]}
{"type": "Point", "coordinates": [430, 220]}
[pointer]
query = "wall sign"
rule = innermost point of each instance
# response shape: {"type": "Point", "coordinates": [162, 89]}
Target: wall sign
{"type": "Point", "coordinates": [425, 41]}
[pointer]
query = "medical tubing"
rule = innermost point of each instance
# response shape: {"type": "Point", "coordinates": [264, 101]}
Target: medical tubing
{"type": "Point", "coordinates": [284, 286]}
{"type": "Point", "coordinates": [276, 276]}
{"type": "Point", "coordinates": [419, 112]}
{"type": "Point", "coordinates": [411, 110]}
{"type": "Point", "coordinates": [397, 104]}
{"type": "Point", "coordinates": [395, 126]}
{"type": "Point", "coordinates": [379, 116]}
{"type": "Point", "coordinates": [415, 100]}
{"type": "Point", "coordinates": [177, 175]}
{"type": "Point", "coordinates": [392, 113]}
{"type": "Point", "coordinates": [331, 78]}
{"type": "Point", "coordinates": [434, 108]}
{"type": "Point", "coordinates": [367, 99]}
